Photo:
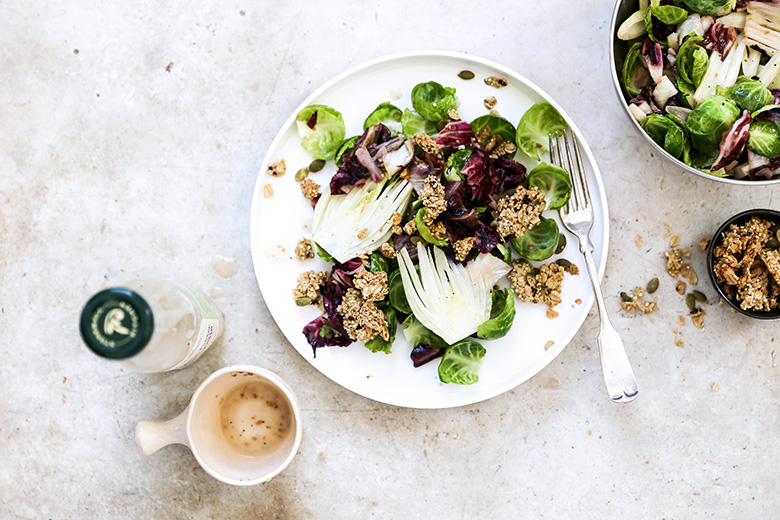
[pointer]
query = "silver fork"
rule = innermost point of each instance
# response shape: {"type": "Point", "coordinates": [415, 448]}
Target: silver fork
{"type": "Point", "coordinates": [577, 217]}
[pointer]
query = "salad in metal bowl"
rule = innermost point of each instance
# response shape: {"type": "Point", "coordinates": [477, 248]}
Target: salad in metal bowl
{"type": "Point", "coordinates": [702, 78]}
{"type": "Point", "coordinates": [420, 221]}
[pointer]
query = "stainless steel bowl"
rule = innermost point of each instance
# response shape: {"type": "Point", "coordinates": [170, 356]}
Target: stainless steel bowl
{"type": "Point", "coordinates": [617, 54]}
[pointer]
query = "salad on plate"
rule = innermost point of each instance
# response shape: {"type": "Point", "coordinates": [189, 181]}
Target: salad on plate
{"type": "Point", "coordinates": [702, 78]}
{"type": "Point", "coordinates": [429, 222]}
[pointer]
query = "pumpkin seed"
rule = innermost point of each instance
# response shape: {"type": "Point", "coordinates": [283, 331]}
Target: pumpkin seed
{"type": "Point", "coordinates": [316, 165]}
{"type": "Point", "coordinates": [561, 244]}
{"type": "Point", "coordinates": [626, 297]}
{"type": "Point", "coordinates": [700, 296]}
{"type": "Point", "coordinates": [303, 301]}
{"type": "Point", "coordinates": [652, 285]}
{"type": "Point", "coordinates": [302, 174]}
{"type": "Point", "coordinates": [563, 263]}
{"type": "Point", "coordinates": [466, 74]}
{"type": "Point", "coordinates": [690, 301]}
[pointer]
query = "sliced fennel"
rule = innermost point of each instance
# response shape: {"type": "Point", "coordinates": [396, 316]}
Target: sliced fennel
{"type": "Point", "coordinates": [360, 221]}
{"type": "Point", "coordinates": [450, 299]}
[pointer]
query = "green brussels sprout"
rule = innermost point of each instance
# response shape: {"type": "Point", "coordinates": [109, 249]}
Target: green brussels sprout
{"type": "Point", "coordinates": [692, 63]}
{"type": "Point", "coordinates": [665, 14]}
{"type": "Point", "coordinates": [502, 252]}
{"type": "Point", "coordinates": [502, 315]}
{"type": "Point", "coordinates": [539, 242]}
{"type": "Point", "coordinates": [321, 130]}
{"type": "Point", "coordinates": [396, 293]}
{"type": "Point", "coordinates": [750, 94]}
{"type": "Point", "coordinates": [425, 233]}
{"type": "Point", "coordinates": [433, 101]}
{"type": "Point", "coordinates": [635, 73]}
{"type": "Point", "coordinates": [377, 262]}
{"type": "Point", "coordinates": [711, 7]}
{"type": "Point", "coordinates": [498, 126]}
{"type": "Point", "coordinates": [553, 182]}
{"type": "Point", "coordinates": [666, 133]}
{"type": "Point", "coordinates": [386, 114]}
{"type": "Point", "coordinates": [461, 363]}
{"type": "Point", "coordinates": [322, 253]}
{"type": "Point", "coordinates": [378, 343]}
{"type": "Point", "coordinates": [412, 124]}
{"type": "Point", "coordinates": [455, 163]}
{"type": "Point", "coordinates": [764, 138]}
{"type": "Point", "coordinates": [535, 126]}
{"type": "Point", "coordinates": [709, 121]}
{"type": "Point", "coordinates": [346, 147]}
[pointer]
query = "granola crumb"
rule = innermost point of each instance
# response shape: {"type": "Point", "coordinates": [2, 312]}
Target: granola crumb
{"type": "Point", "coordinates": [278, 169]}
{"type": "Point", "coordinates": [573, 270]}
{"type": "Point", "coordinates": [537, 285]}
{"type": "Point", "coordinates": [304, 249]}
{"type": "Point", "coordinates": [668, 230]}
{"type": "Point", "coordinates": [410, 228]}
{"type": "Point", "coordinates": [681, 320]}
{"type": "Point", "coordinates": [494, 112]}
{"type": "Point", "coordinates": [697, 317]}
{"type": "Point", "coordinates": [363, 233]}
{"type": "Point", "coordinates": [453, 115]}
{"type": "Point", "coordinates": [268, 191]}
{"type": "Point", "coordinates": [551, 314]}
{"type": "Point", "coordinates": [308, 285]}
{"type": "Point", "coordinates": [636, 303]}
{"type": "Point", "coordinates": [463, 248]}
{"type": "Point", "coordinates": [490, 102]}
{"type": "Point", "coordinates": [372, 286]}
{"type": "Point", "coordinates": [714, 386]}
{"type": "Point", "coordinates": [746, 269]}
{"type": "Point", "coordinates": [638, 241]}
{"type": "Point", "coordinates": [395, 221]}
{"type": "Point", "coordinates": [519, 212]}
{"type": "Point", "coordinates": [495, 82]}
{"type": "Point", "coordinates": [679, 342]}
{"type": "Point", "coordinates": [426, 142]}
{"type": "Point", "coordinates": [548, 344]}
{"type": "Point", "coordinates": [693, 278]}
{"type": "Point", "coordinates": [432, 197]}
{"type": "Point", "coordinates": [310, 189]}
{"type": "Point", "coordinates": [704, 244]}
{"type": "Point", "coordinates": [387, 250]}
{"type": "Point", "coordinates": [578, 301]}
{"type": "Point", "coordinates": [674, 261]}
{"type": "Point", "coordinates": [680, 287]}
{"type": "Point", "coordinates": [675, 241]}
{"type": "Point", "coordinates": [362, 320]}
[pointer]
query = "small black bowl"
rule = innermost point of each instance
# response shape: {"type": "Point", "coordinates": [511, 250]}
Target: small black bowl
{"type": "Point", "coordinates": [738, 219]}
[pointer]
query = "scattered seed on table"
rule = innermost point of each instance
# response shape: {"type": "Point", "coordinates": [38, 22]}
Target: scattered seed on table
{"type": "Point", "coordinates": [626, 297]}
{"type": "Point", "coordinates": [690, 301]}
{"type": "Point", "coordinates": [700, 296]}
{"type": "Point", "coordinates": [652, 285]}
{"type": "Point", "coordinates": [466, 74]}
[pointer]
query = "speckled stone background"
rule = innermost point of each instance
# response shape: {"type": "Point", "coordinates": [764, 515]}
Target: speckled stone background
{"type": "Point", "coordinates": [131, 134]}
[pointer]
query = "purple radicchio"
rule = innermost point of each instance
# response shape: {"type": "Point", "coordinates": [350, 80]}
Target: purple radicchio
{"type": "Point", "coordinates": [653, 57]}
{"type": "Point", "coordinates": [510, 174]}
{"type": "Point", "coordinates": [720, 38]}
{"type": "Point", "coordinates": [362, 165]}
{"type": "Point", "coordinates": [423, 353]}
{"type": "Point", "coordinates": [487, 238]}
{"type": "Point", "coordinates": [733, 143]}
{"type": "Point", "coordinates": [480, 177]}
{"type": "Point", "coordinates": [455, 133]}
{"type": "Point", "coordinates": [424, 164]}
{"type": "Point", "coordinates": [328, 330]}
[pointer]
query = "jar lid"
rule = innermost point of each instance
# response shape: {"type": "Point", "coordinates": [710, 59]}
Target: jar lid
{"type": "Point", "coordinates": [117, 323]}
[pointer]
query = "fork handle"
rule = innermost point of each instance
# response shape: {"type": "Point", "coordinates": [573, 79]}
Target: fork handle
{"type": "Point", "coordinates": [618, 375]}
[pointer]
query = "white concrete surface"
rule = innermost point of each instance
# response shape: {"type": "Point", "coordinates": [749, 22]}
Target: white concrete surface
{"type": "Point", "coordinates": [131, 134]}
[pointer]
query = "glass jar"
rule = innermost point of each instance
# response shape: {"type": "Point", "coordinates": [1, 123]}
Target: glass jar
{"type": "Point", "coordinates": [151, 324]}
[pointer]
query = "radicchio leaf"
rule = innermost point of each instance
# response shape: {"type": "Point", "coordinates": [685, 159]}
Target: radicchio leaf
{"type": "Point", "coordinates": [510, 174]}
{"type": "Point", "coordinates": [455, 133]}
{"type": "Point", "coordinates": [487, 238]}
{"type": "Point", "coordinates": [653, 57]}
{"type": "Point", "coordinates": [326, 330]}
{"type": "Point", "coordinates": [423, 353]}
{"type": "Point", "coordinates": [424, 164]}
{"type": "Point", "coordinates": [720, 38]}
{"type": "Point", "coordinates": [480, 177]}
{"type": "Point", "coordinates": [733, 143]}
{"type": "Point", "coordinates": [360, 165]}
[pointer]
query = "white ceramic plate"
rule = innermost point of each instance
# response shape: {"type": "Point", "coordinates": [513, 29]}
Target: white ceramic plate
{"type": "Point", "coordinates": [277, 223]}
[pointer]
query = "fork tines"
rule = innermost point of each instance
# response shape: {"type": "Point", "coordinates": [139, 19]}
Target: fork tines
{"type": "Point", "coordinates": [560, 150]}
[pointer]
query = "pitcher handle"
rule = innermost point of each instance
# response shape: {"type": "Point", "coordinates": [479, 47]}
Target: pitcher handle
{"type": "Point", "coordinates": [153, 435]}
